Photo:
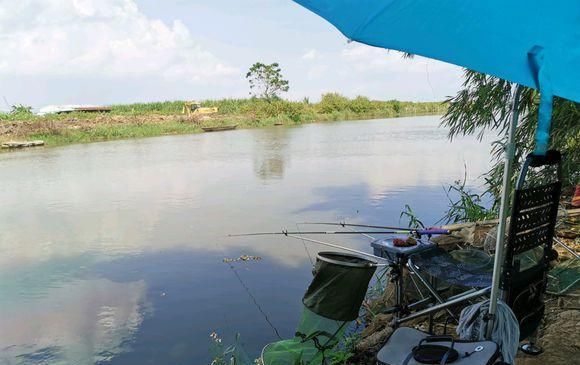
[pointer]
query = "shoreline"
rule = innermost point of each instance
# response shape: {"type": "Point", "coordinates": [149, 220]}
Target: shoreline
{"type": "Point", "coordinates": [561, 318]}
{"type": "Point", "coordinates": [80, 128]}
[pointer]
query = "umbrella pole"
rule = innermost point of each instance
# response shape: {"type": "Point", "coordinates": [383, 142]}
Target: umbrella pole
{"type": "Point", "coordinates": [503, 210]}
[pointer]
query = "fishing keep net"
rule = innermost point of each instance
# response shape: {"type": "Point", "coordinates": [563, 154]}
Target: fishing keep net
{"type": "Point", "coordinates": [331, 302]}
{"type": "Point", "coordinates": [564, 277]}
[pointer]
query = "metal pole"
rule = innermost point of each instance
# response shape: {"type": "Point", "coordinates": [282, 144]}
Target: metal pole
{"type": "Point", "coordinates": [400, 288]}
{"type": "Point", "coordinates": [510, 149]}
{"type": "Point", "coordinates": [428, 286]}
{"type": "Point", "coordinates": [438, 307]}
{"type": "Point", "coordinates": [567, 248]}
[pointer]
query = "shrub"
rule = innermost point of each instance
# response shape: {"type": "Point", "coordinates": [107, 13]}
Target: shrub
{"type": "Point", "coordinates": [332, 102]}
{"type": "Point", "coordinates": [261, 108]}
{"type": "Point", "coordinates": [360, 105]}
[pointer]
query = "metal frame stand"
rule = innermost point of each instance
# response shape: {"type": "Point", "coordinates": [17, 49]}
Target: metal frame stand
{"type": "Point", "coordinates": [503, 211]}
{"type": "Point", "coordinates": [401, 308]}
{"type": "Point", "coordinates": [531, 348]}
{"type": "Point", "coordinates": [398, 262]}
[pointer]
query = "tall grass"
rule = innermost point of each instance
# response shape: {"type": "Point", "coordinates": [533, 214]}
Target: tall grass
{"type": "Point", "coordinates": [162, 107]}
{"type": "Point", "coordinates": [331, 103]}
{"type": "Point", "coordinates": [112, 132]}
{"type": "Point", "coordinates": [159, 118]}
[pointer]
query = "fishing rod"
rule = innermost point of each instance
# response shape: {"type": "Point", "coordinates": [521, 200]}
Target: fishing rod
{"type": "Point", "coordinates": [299, 236]}
{"type": "Point", "coordinates": [424, 231]}
{"type": "Point", "coordinates": [286, 233]}
{"type": "Point", "coordinates": [363, 234]}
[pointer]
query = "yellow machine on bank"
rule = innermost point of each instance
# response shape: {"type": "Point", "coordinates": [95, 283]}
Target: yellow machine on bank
{"type": "Point", "coordinates": [195, 108]}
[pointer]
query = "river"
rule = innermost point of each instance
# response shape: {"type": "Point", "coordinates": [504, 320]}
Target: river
{"type": "Point", "coordinates": [112, 253]}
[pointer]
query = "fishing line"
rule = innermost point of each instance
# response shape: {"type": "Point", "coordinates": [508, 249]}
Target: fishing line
{"type": "Point", "coordinates": [429, 78]}
{"type": "Point", "coordinates": [249, 292]}
{"type": "Point", "coordinates": [364, 234]}
{"type": "Point", "coordinates": [397, 230]}
{"type": "Point", "coordinates": [304, 244]}
{"type": "Point", "coordinates": [342, 248]}
{"type": "Point", "coordinates": [344, 225]}
{"type": "Point", "coordinates": [6, 102]}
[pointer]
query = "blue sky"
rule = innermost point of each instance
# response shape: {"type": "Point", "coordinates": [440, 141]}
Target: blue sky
{"type": "Point", "coordinates": [118, 51]}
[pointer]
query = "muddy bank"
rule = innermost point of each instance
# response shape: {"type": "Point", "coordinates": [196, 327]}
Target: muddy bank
{"type": "Point", "coordinates": [138, 121]}
{"type": "Point", "coordinates": [56, 125]}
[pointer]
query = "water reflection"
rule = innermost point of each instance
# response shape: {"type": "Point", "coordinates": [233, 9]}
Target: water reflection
{"type": "Point", "coordinates": [194, 293]}
{"type": "Point", "coordinates": [270, 153]}
{"type": "Point", "coordinates": [346, 205]}
{"type": "Point", "coordinates": [81, 322]}
{"type": "Point", "coordinates": [112, 252]}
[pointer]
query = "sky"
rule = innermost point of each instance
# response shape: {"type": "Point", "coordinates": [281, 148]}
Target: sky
{"type": "Point", "coordinates": [122, 51]}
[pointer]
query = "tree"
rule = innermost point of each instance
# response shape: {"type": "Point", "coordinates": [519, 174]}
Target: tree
{"type": "Point", "coordinates": [266, 81]}
{"type": "Point", "coordinates": [484, 103]}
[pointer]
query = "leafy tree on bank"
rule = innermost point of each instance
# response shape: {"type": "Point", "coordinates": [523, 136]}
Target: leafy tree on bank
{"type": "Point", "coordinates": [266, 81]}
{"type": "Point", "coordinates": [484, 104]}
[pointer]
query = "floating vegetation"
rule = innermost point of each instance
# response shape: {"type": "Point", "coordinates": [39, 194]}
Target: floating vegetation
{"type": "Point", "coordinates": [242, 258]}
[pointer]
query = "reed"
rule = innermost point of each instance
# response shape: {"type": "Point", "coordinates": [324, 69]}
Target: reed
{"type": "Point", "coordinates": [141, 120]}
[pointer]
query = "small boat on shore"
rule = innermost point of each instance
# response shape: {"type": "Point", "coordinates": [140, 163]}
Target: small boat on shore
{"type": "Point", "coordinates": [22, 144]}
{"type": "Point", "coordinates": [219, 128]}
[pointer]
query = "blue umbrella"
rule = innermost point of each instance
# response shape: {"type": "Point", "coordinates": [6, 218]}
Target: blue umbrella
{"type": "Point", "coordinates": [535, 43]}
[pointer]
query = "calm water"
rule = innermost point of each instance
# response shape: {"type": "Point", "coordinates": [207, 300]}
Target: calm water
{"type": "Point", "coordinates": [112, 252]}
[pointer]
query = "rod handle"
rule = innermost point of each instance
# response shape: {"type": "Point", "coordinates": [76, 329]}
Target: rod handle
{"type": "Point", "coordinates": [429, 231]}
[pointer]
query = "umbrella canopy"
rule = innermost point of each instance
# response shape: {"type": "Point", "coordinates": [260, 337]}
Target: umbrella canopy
{"type": "Point", "coordinates": [535, 43]}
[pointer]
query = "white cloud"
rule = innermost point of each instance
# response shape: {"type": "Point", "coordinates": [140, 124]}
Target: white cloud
{"type": "Point", "coordinates": [366, 58]}
{"type": "Point", "coordinates": [357, 69]}
{"type": "Point", "coordinates": [311, 54]}
{"type": "Point", "coordinates": [317, 71]}
{"type": "Point", "coordinates": [99, 37]}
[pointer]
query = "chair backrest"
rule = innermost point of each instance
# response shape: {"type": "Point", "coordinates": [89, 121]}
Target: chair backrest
{"type": "Point", "coordinates": [532, 225]}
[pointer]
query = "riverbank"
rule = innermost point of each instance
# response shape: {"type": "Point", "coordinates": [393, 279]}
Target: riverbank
{"type": "Point", "coordinates": [167, 118]}
{"type": "Point", "coordinates": [561, 319]}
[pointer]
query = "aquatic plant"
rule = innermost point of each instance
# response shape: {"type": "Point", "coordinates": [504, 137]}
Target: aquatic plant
{"type": "Point", "coordinates": [345, 351]}
{"type": "Point", "coordinates": [465, 205]}
{"type": "Point", "coordinates": [414, 221]}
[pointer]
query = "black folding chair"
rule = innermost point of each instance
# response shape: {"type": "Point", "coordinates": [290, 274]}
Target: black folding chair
{"type": "Point", "coordinates": [532, 225]}
{"type": "Point", "coordinates": [524, 276]}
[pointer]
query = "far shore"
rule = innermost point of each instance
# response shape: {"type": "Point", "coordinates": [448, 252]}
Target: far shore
{"type": "Point", "coordinates": [168, 118]}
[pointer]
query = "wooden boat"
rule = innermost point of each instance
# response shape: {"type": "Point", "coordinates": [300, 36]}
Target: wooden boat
{"type": "Point", "coordinates": [219, 128]}
{"type": "Point", "coordinates": [19, 144]}
{"type": "Point", "coordinates": [92, 109]}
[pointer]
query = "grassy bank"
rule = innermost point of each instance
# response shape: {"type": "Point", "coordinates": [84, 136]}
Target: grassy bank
{"type": "Point", "coordinates": [166, 118]}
